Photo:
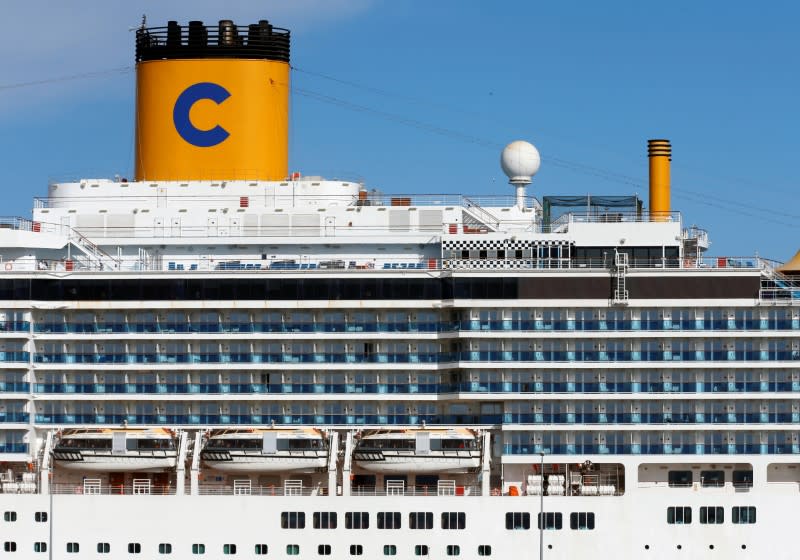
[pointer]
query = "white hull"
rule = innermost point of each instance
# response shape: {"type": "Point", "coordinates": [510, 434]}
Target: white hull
{"type": "Point", "coordinates": [625, 526]}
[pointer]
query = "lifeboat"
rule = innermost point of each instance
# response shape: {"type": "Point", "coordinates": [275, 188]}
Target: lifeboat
{"type": "Point", "coordinates": [265, 450]}
{"type": "Point", "coordinates": [116, 450]}
{"type": "Point", "coordinates": [423, 451]}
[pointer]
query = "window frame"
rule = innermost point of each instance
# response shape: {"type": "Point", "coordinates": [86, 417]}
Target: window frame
{"type": "Point", "coordinates": [524, 518]}
{"type": "Point", "coordinates": [351, 516]}
{"type": "Point", "coordinates": [685, 515]}
{"type": "Point", "coordinates": [748, 519]}
{"type": "Point", "coordinates": [324, 520]}
{"type": "Point", "coordinates": [454, 520]}
{"type": "Point", "coordinates": [395, 516]}
{"type": "Point", "coordinates": [553, 520]}
{"type": "Point", "coordinates": [293, 520]}
{"type": "Point", "coordinates": [420, 520]}
{"type": "Point", "coordinates": [581, 521]}
{"type": "Point", "coordinates": [718, 515]}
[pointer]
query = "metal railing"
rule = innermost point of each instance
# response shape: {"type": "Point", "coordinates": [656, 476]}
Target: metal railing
{"type": "Point", "coordinates": [90, 488]}
{"type": "Point", "coordinates": [418, 491]}
{"type": "Point", "coordinates": [257, 490]}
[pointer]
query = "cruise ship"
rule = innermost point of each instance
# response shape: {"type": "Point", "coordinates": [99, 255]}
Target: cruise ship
{"type": "Point", "coordinates": [220, 357]}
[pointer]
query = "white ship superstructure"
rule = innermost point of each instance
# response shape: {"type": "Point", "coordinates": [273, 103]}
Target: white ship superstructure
{"type": "Point", "coordinates": [307, 367]}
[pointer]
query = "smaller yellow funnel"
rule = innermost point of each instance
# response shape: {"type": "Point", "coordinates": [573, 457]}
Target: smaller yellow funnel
{"type": "Point", "coordinates": [660, 154]}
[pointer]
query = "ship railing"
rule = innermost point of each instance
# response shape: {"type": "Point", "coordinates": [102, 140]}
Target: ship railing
{"type": "Point", "coordinates": [260, 490]}
{"type": "Point", "coordinates": [417, 491]}
{"type": "Point", "coordinates": [93, 487]}
{"type": "Point", "coordinates": [611, 217]}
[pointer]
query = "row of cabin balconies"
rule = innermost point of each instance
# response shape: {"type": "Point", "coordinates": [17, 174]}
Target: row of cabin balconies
{"type": "Point", "coordinates": [470, 325]}
{"type": "Point", "coordinates": [409, 388]}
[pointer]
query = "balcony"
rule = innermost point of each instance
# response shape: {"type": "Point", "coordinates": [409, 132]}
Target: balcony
{"type": "Point", "coordinates": [14, 417]}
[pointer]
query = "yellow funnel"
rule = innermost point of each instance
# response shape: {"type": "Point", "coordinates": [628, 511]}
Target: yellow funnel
{"type": "Point", "coordinates": [660, 155]}
{"type": "Point", "coordinates": [212, 102]}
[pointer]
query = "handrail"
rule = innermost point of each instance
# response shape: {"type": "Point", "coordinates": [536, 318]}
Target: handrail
{"type": "Point", "coordinates": [487, 217]}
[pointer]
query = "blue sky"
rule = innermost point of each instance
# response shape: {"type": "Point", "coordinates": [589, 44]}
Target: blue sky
{"type": "Point", "coordinates": [420, 97]}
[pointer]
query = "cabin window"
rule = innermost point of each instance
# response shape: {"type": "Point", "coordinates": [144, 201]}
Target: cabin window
{"type": "Point", "coordinates": [40, 546]}
{"type": "Point", "coordinates": [164, 548]}
{"type": "Point", "coordinates": [324, 550]}
{"type": "Point", "coordinates": [73, 548]}
{"type": "Point", "coordinates": [581, 520]}
{"type": "Point", "coordinates": [292, 549]}
{"type": "Point", "coordinates": [293, 520]}
{"type": "Point", "coordinates": [484, 550]}
{"type": "Point", "coordinates": [679, 515]}
{"type": "Point", "coordinates": [228, 549]}
{"type": "Point", "coordinates": [742, 479]}
{"type": "Point", "coordinates": [261, 549]}
{"type": "Point", "coordinates": [712, 515]}
{"type": "Point", "coordinates": [389, 520]}
{"type": "Point", "coordinates": [102, 548]}
{"type": "Point", "coordinates": [454, 520]}
{"type": "Point", "coordinates": [40, 517]}
{"type": "Point", "coordinates": [356, 550]}
{"type": "Point", "coordinates": [198, 548]}
{"type": "Point", "coordinates": [10, 516]}
{"type": "Point", "coordinates": [712, 479]}
{"type": "Point", "coordinates": [453, 550]}
{"type": "Point", "coordinates": [389, 550]}
{"type": "Point", "coordinates": [552, 520]}
{"type": "Point", "coordinates": [356, 520]}
{"type": "Point", "coordinates": [324, 520]}
{"type": "Point", "coordinates": [421, 550]}
{"type": "Point", "coordinates": [680, 479]}
{"type": "Point", "coordinates": [10, 546]}
{"type": "Point", "coordinates": [743, 515]}
{"type": "Point", "coordinates": [420, 520]}
{"type": "Point", "coordinates": [134, 548]}
{"type": "Point", "coordinates": [518, 520]}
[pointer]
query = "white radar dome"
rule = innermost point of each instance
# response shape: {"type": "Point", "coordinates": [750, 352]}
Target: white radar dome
{"type": "Point", "coordinates": [520, 161]}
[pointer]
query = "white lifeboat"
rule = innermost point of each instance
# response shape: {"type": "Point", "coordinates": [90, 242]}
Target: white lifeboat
{"type": "Point", "coordinates": [265, 450]}
{"type": "Point", "coordinates": [116, 450]}
{"type": "Point", "coordinates": [418, 451]}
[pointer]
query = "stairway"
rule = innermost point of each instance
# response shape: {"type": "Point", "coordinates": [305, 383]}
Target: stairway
{"type": "Point", "coordinates": [620, 272]}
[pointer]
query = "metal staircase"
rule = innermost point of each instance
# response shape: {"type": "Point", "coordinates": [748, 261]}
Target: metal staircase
{"type": "Point", "coordinates": [94, 256]}
{"type": "Point", "coordinates": [475, 216]}
{"type": "Point", "coordinates": [620, 272]}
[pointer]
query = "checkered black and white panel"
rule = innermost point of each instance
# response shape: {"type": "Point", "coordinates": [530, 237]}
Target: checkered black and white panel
{"type": "Point", "coordinates": [486, 264]}
{"type": "Point", "coordinates": [485, 244]}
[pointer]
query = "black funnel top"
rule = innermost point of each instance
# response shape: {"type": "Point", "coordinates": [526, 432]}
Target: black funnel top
{"type": "Point", "coordinates": [256, 41]}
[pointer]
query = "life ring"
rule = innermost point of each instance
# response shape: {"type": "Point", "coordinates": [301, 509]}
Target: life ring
{"type": "Point", "coordinates": [9, 266]}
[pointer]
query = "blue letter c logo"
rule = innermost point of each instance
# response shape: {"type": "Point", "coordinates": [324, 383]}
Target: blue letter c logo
{"type": "Point", "coordinates": [184, 104]}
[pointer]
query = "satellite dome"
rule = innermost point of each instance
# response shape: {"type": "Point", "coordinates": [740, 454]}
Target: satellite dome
{"type": "Point", "coordinates": [520, 161]}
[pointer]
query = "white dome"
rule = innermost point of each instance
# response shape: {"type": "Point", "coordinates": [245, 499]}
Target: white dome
{"type": "Point", "coordinates": [520, 161]}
